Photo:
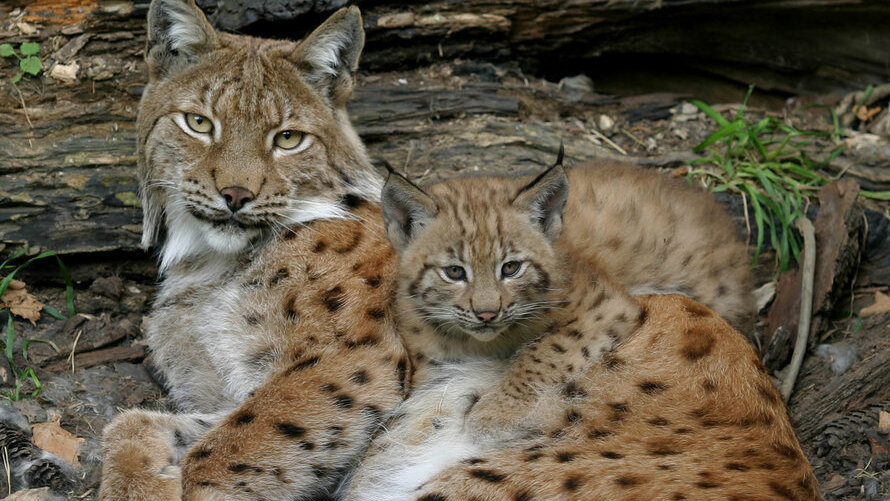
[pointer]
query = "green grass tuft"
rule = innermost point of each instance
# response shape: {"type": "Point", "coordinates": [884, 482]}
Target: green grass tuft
{"type": "Point", "coordinates": [764, 162]}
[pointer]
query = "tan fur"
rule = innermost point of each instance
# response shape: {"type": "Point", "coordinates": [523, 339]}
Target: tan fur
{"type": "Point", "coordinates": [272, 326]}
{"type": "Point", "coordinates": [600, 395]}
{"type": "Point", "coordinates": [681, 410]}
{"type": "Point", "coordinates": [622, 229]}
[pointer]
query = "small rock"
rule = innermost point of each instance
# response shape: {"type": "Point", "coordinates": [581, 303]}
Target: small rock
{"type": "Point", "coordinates": [66, 73]}
{"type": "Point", "coordinates": [651, 144]}
{"type": "Point", "coordinates": [884, 422]}
{"type": "Point", "coordinates": [402, 81]}
{"type": "Point", "coordinates": [26, 28]}
{"type": "Point", "coordinates": [840, 356]}
{"type": "Point", "coordinates": [764, 295]}
{"type": "Point", "coordinates": [578, 83]}
{"type": "Point", "coordinates": [605, 123]}
{"type": "Point", "coordinates": [688, 109]}
{"type": "Point", "coordinates": [41, 494]}
{"type": "Point", "coordinates": [680, 132]}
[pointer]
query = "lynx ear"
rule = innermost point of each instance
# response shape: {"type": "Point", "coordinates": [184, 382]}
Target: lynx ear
{"type": "Point", "coordinates": [406, 209]}
{"type": "Point", "coordinates": [330, 54]}
{"type": "Point", "coordinates": [545, 198]}
{"type": "Point", "coordinates": [178, 35]}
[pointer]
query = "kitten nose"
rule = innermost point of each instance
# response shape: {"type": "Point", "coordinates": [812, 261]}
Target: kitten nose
{"type": "Point", "coordinates": [236, 197]}
{"type": "Point", "coordinates": [486, 315]}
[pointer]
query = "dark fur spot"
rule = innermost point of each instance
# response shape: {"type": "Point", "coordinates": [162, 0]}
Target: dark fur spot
{"type": "Point", "coordinates": [627, 481]}
{"type": "Point", "coordinates": [611, 362]}
{"type": "Point", "coordinates": [333, 299]}
{"type": "Point", "coordinates": [351, 245]}
{"type": "Point", "coordinates": [572, 390]}
{"type": "Point", "coordinates": [709, 385]}
{"type": "Point", "coordinates": [307, 446]}
{"type": "Point", "coordinates": [706, 484]}
{"type": "Point", "coordinates": [533, 457]}
{"type": "Point", "coordinates": [487, 475]}
{"type": "Point", "coordinates": [658, 421]}
{"type": "Point", "coordinates": [572, 483]}
{"type": "Point", "coordinates": [678, 497]}
{"type": "Point", "coordinates": [473, 461]}
{"type": "Point", "coordinates": [330, 388]}
{"type": "Point", "coordinates": [737, 467]}
{"type": "Point", "coordinates": [402, 372]}
{"type": "Point", "coordinates": [768, 393]}
{"type": "Point", "coordinates": [585, 352]}
{"type": "Point", "coordinates": [557, 348]}
{"type": "Point", "coordinates": [359, 377]}
{"type": "Point", "coordinates": [377, 314]}
{"type": "Point", "coordinates": [595, 434]}
{"type": "Point", "coordinates": [290, 430]}
{"type": "Point", "coordinates": [252, 319]}
{"type": "Point", "coordinates": [643, 316]}
{"type": "Point", "coordinates": [683, 431]}
{"type": "Point", "coordinates": [565, 456]}
{"type": "Point", "coordinates": [351, 201]}
{"type": "Point", "coordinates": [522, 496]}
{"type": "Point", "coordinates": [244, 417]}
{"type": "Point", "coordinates": [574, 333]}
{"type": "Point", "coordinates": [290, 309]}
{"type": "Point", "coordinates": [432, 497]}
{"type": "Point", "coordinates": [572, 416]}
{"type": "Point", "coordinates": [279, 275]}
{"type": "Point", "coordinates": [663, 448]}
{"type": "Point", "coordinates": [200, 453]}
{"type": "Point", "coordinates": [611, 455]}
{"type": "Point", "coordinates": [343, 401]}
{"type": "Point", "coordinates": [698, 342]}
{"type": "Point", "coordinates": [786, 450]}
{"type": "Point", "coordinates": [373, 282]}
{"type": "Point", "coordinates": [302, 364]}
{"type": "Point", "coordinates": [238, 468]}
{"type": "Point", "coordinates": [652, 387]}
{"type": "Point", "coordinates": [368, 340]}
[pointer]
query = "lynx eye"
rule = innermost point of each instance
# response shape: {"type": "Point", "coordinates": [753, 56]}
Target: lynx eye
{"type": "Point", "coordinates": [456, 273]}
{"type": "Point", "coordinates": [510, 268]}
{"type": "Point", "coordinates": [288, 139]}
{"type": "Point", "coordinates": [198, 123]}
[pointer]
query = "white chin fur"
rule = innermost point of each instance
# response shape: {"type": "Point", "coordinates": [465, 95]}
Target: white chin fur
{"type": "Point", "coordinates": [187, 236]}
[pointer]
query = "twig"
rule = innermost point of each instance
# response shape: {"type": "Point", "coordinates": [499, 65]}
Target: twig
{"type": "Point", "coordinates": [608, 141]}
{"type": "Point", "coordinates": [806, 303]}
{"type": "Point", "coordinates": [747, 221]}
{"type": "Point", "coordinates": [74, 347]}
{"type": "Point", "coordinates": [24, 107]}
{"type": "Point", "coordinates": [8, 471]}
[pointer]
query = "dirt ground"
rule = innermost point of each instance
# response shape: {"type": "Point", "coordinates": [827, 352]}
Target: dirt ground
{"type": "Point", "coordinates": [98, 368]}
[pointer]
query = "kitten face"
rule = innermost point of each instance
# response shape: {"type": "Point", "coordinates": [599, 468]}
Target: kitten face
{"type": "Point", "coordinates": [476, 257]}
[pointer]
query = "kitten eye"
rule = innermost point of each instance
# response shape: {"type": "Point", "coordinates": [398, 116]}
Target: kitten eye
{"type": "Point", "coordinates": [510, 268]}
{"type": "Point", "coordinates": [198, 123]}
{"type": "Point", "coordinates": [288, 139]}
{"type": "Point", "coordinates": [455, 272]}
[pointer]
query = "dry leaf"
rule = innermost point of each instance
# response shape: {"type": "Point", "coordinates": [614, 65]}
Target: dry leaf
{"type": "Point", "coordinates": [21, 303]}
{"type": "Point", "coordinates": [53, 438]}
{"type": "Point", "coordinates": [881, 305]}
{"type": "Point", "coordinates": [884, 422]}
{"type": "Point", "coordinates": [864, 114]}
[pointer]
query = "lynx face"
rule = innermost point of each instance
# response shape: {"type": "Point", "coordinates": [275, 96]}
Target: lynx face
{"type": "Point", "coordinates": [241, 138]}
{"type": "Point", "coordinates": [476, 254]}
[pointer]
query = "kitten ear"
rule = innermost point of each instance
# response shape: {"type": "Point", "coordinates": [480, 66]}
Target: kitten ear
{"type": "Point", "coordinates": [406, 209]}
{"type": "Point", "coordinates": [178, 35]}
{"type": "Point", "coordinates": [545, 198]}
{"type": "Point", "coordinates": [330, 54]}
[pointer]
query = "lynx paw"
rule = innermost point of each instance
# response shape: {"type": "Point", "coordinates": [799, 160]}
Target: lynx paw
{"type": "Point", "coordinates": [139, 460]}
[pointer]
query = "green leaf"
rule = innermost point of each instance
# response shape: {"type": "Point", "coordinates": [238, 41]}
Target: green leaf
{"type": "Point", "coordinates": [69, 286]}
{"type": "Point", "coordinates": [18, 76]}
{"type": "Point", "coordinates": [31, 65]}
{"type": "Point", "coordinates": [53, 312]}
{"type": "Point", "coordinates": [711, 112]}
{"type": "Point", "coordinates": [6, 50]}
{"type": "Point", "coordinates": [29, 48]}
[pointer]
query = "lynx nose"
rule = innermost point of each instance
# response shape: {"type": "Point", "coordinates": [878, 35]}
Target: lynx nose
{"type": "Point", "coordinates": [486, 315]}
{"type": "Point", "coordinates": [236, 197]}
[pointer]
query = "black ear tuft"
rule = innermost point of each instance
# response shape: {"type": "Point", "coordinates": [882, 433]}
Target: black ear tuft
{"type": "Point", "coordinates": [544, 199]}
{"type": "Point", "coordinates": [407, 209]}
{"type": "Point", "coordinates": [561, 154]}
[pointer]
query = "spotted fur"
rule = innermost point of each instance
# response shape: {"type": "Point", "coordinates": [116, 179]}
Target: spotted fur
{"type": "Point", "coordinates": [273, 322]}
